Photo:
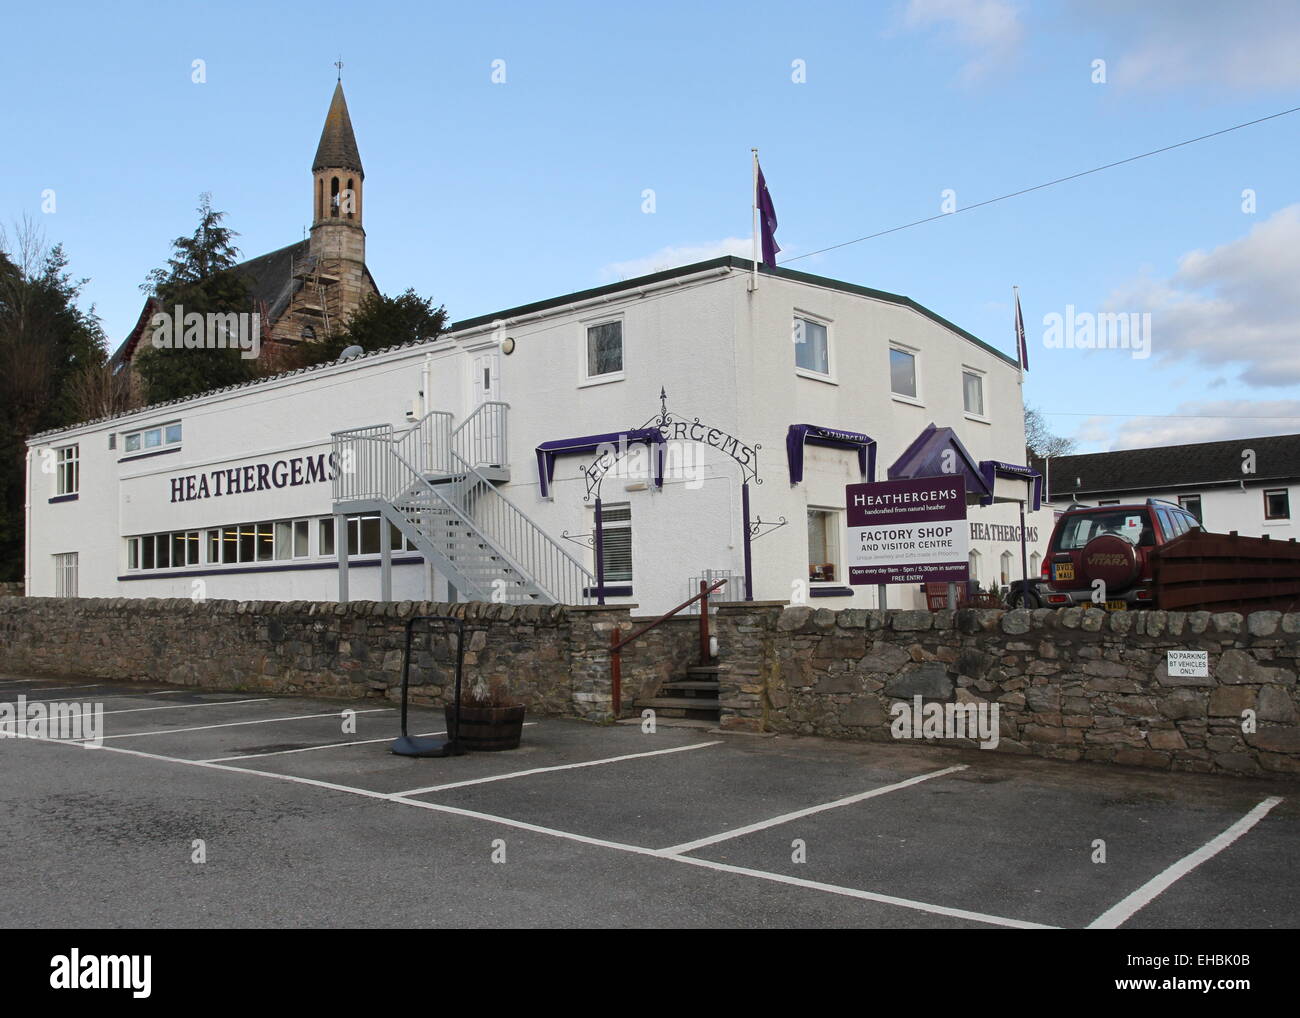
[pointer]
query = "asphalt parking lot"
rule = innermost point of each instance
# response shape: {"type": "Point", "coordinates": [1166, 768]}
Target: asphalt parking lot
{"type": "Point", "coordinates": [299, 822]}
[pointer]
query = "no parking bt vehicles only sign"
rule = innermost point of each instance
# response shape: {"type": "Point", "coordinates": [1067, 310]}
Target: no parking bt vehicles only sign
{"type": "Point", "coordinates": [910, 531]}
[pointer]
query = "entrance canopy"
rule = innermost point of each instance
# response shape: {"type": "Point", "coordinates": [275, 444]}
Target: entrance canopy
{"type": "Point", "coordinates": [610, 446]}
{"type": "Point", "coordinates": [993, 469]}
{"type": "Point", "coordinates": [800, 435]}
{"type": "Point", "coordinates": [938, 451]}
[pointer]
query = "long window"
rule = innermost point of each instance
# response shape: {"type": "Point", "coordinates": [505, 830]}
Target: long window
{"type": "Point", "coordinates": [823, 545]}
{"type": "Point", "coordinates": [68, 470]}
{"type": "Point", "coordinates": [65, 574]}
{"type": "Point", "coordinates": [363, 536]}
{"type": "Point", "coordinates": [616, 540]}
{"type": "Point", "coordinates": [972, 388]}
{"type": "Point", "coordinates": [1277, 504]}
{"type": "Point", "coordinates": [150, 439]}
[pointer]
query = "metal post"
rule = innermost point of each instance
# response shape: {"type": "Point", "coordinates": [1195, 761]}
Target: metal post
{"type": "Point", "coordinates": [385, 560]}
{"type": "Point", "coordinates": [881, 590]}
{"type": "Point", "coordinates": [615, 675]}
{"type": "Point", "coordinates": [704, 622]}
{"type": "Point", "coordinates": [952, 595]}
{"type": "Point", "coordinates": [341, 549]}
{"type": "Point", "coordinates": [600, 557]}
{"type": "Point", "coordinates": [1024, 559]}
{"type": "Point", "coordinates": [749, 558]}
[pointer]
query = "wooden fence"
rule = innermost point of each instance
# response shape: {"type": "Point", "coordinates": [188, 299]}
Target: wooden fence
{"type": "Point", "coordinates": [1227, 572]}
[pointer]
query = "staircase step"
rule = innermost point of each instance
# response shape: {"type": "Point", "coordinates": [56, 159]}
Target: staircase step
{"type": "Point", "coordinates": [680, 702]}
{"type": "Point", "coordinates": [703, 669]}
{"type": "Point", "coordinates": [691, 684]}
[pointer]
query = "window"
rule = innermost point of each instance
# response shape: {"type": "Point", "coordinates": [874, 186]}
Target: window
{"type": "Point", "coordinates": [902, 373]}
{"type": "Point", "coordinates": [1077, 531]}
{"type": "Point", "coordinates": [1035, 564]}
{"type": "Point", "coordinates": [290, 539]}
{"type": "Point", "coordinates": [327, 536]}
{"type": "Point", "coordinates": [972, 388]}
{"type": "Point", "coordinates": [1006, 568]}
{"type": "Point", "coordinates": [1277, 504]}
{"type": "Point", "coordinates": [973, 560]}
{"type": "Point", "coordinates": [1108, 501]}
{"type": "Point", "coordinates": [823, 545]}
{"type": "Point", "coordinates": [604, 349]}
{"type": "Point", "coordinates": [811, 349]}
{"type": "Point", "coordinates": [68, 470]}
{"type": "Point", "coordinates": [1192, 503]}
{"type": "Point", "coordinates": [65, 574]}
{"type": "Point", "coordinates": [616, 540]}
{"type": "Point", "coordinates": [149, 439]}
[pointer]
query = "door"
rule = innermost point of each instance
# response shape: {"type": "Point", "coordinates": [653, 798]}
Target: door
{"type": "Point", "coordinates": [486, 432]}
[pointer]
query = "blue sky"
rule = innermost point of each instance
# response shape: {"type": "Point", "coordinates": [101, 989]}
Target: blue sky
{"type": "Point", "coordinates": [486, 195]}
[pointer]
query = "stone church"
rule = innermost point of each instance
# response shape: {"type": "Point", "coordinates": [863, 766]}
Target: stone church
{"type": "Point", "coordinates": [308, 290]}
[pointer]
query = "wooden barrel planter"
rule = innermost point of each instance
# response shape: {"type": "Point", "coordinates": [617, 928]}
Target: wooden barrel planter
{"type": "Point", "coordinates": [488, 728]}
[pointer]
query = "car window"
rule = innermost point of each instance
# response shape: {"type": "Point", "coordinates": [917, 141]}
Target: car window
{"type": "Point", "coordinates": [1170, 523]}
{"type": "Point", "coordinates": [1191, 521]}
{"type": "Point", "coordinates": [1077, 531]}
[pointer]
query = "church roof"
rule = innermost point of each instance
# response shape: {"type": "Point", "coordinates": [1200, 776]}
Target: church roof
{"type": "Point", "coordinates": [338, 145]}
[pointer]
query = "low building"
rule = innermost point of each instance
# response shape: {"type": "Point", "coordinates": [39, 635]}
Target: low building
{"type": "Point", "coordinates": [613, 444]}
{"type": "Point", "coordinates": [1248, 485]}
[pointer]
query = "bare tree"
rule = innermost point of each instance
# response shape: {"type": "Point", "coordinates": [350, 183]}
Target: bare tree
{"type": "Point", "coordinates": [1040, 441]}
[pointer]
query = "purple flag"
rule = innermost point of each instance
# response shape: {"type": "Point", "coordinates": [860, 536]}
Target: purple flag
{"type": "Point", "coordinates": [766, 219]}
{"type": "Point", "coordinates": [1022, 346]}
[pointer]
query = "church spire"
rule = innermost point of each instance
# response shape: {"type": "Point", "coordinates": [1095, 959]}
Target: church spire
{"type": "Point", "coordinates": [338, 145]}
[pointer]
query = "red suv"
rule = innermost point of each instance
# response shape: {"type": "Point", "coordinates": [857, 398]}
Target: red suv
{"type": "Point", "coordinates": [1111, 544]}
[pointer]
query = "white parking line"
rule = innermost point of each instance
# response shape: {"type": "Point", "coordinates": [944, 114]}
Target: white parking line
{"type": "Point", "coordinates": [332, 745]}
{"type": "Point", "coordinates": [138, 710]}
{"type": "Point", "coordinates": [557, 767]}
{"type": "Point", "coordinates": [236, 724]}
{"type": "Point", "coordinates": [1120, 913]}
{"type": "Point", "coordinates": [785, 818]}
{"type": "Point", "coordinates": [52, 689]}
{"type": "Point", "coordinates": [106, 696]}
{"type": "Point", "coordinates": [779, 878]}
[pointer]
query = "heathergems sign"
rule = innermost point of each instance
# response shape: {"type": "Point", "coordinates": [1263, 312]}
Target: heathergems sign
{"type": "Point", "coordinates": [910, 531]}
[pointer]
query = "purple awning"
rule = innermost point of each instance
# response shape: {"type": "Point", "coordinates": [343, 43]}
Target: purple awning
{"type": "Point", "coordinates": [937, 451]}
{"type": "Point", "coordinates": [993, 469]}
{"type": "Point", "coordinates": [619, 440]}
{"type": "Point", "coordinates": [800, 435]}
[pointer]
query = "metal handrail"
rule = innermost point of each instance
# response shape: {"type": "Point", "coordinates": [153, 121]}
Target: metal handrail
{"type": "Point", "coordinates": [481, 437]}
{"type": "Point", "coordinates": [616, 645]}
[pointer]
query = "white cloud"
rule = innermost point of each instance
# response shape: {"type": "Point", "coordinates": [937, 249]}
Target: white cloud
{"type": "Point", "coordinates": [1246, 44]}
{"type": "Point", "coordinates": [1237, 304]}
{"type": "Point", "coordinates": [1198, 421]}
{"type": "Point", "coordinates": [673, 256]}
{"type": "Point", "coordinates": [990, 28]}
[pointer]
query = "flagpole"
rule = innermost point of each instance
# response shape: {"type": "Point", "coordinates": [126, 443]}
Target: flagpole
{"type": "Point", "coordinates": [1020, 361]}
{"type": "Point", "coordinates": [753, 285]}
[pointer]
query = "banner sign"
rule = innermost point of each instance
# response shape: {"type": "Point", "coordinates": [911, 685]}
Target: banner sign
{"type": "Point", "coordinates": [908, 531]}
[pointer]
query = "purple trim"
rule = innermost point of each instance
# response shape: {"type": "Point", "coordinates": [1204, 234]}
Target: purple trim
{"type": "Point", "coordinates": [548, 451]}
{"type": "Point", "coordinates": [749, 539]}
{"type": "Point", "coordinates": [624, 590]}
{"type": "Point", "coordinates": [800, 435]}
{"type": "Point", "coordinates": [925, 458]}
{"type": "Point", "coordinates": [66, 498]}
{"type": "Point", "coordinates": [830, 591]}
{"type": "Point", "coordinates": [147, 455]}
{"type": "Point", "coordinates": [600, 554]}
{"type": "Point", "coordinates": [169, 574]}
{"type": "Point", "coordinates": [993, 469]}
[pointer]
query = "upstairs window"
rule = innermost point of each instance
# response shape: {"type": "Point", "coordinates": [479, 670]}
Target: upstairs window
{"type": "Point", "coordinates": [902, 373]}
{"type": "Point", "coordinates": [972, 388]}
{"type": "Point", "coordinates": [1277, 504]}
{"type": "Point", "coordinates": [67, 472]}
{"type": "Point", "coordinates": [605, 349]}
{"type": "Point", "coordinates": [152, 439]}
{"type": "Point", "coordinates": [811, 347]}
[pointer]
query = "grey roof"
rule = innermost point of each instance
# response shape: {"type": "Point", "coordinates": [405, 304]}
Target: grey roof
{"type": "Point", "coordinates": [338, 145]}
{"type": "Point", "coordinates": [1184, 467]}
{"type": "Point", "coordinates": [269, 277]}
{"type": "Point", "coordinates": [728, 261]}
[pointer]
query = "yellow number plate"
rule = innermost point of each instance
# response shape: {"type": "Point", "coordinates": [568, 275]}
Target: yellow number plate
{"type": "Point", "coordinates": [1115, 606]}
{"type": "Point", "coordinates": [1063, 571]}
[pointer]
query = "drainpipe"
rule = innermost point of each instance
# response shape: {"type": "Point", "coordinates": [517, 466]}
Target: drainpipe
{"type": "Point", "coordinates": [27, 525]}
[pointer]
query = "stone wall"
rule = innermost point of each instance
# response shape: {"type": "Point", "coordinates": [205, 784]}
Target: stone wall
{"type": "Point", "coordinates": [1077, 684]}
{"type": "Point", "coordinates": [11, 588]}
{"type": "Point", "coordinates": [554, 659]}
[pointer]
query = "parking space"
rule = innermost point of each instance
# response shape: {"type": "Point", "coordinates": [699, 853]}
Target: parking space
{"type": "Point", "coordinates": [306, 818]}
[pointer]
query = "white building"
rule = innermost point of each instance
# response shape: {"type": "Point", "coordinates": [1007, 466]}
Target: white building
{"type": "Point", "coordinates": [243, 492]}
{"type": "Point", "coordinates": [1248, 484]}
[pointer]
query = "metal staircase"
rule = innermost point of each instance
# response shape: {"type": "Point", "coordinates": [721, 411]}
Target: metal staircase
{"type": "Point", "coordinates": [437, 486]}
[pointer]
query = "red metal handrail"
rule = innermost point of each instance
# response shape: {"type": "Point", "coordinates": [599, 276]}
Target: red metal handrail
{"type": "Point", "coordinates": [616, 645]}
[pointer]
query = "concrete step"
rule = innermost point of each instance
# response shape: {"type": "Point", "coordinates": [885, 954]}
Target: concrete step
{"type": "Point", "coordinates": [689, 684]}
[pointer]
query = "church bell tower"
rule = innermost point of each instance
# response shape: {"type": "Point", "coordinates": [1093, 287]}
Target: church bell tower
{"type": "Point", "coordinates": [338, 240]}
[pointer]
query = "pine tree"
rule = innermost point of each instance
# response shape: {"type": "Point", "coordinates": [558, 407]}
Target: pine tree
{"type": "Point", "coordinates": [199, 278]}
